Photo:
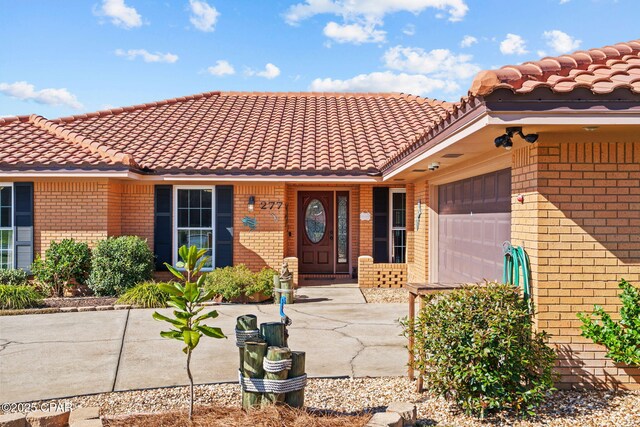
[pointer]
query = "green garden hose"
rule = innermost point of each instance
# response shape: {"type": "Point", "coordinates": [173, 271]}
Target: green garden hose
{"type": "Point", "coordinates": [517, 269]}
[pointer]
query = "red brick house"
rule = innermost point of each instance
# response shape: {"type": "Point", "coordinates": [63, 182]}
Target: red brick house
{"type": "Point", "coordinates": [386, 187]}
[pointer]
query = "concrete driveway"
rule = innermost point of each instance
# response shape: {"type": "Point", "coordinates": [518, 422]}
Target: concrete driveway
{"type": "Point", "coordinates": [65, 354]}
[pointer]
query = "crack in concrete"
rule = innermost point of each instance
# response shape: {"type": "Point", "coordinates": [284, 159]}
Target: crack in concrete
{"type": "Point", "coordinates": [7, 343]}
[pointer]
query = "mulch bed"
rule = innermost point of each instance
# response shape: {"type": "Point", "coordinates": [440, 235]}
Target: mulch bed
{"type": "Point", "coordinates": [78, 301]}
{"type": "Point", "coordinates": [273, 416]}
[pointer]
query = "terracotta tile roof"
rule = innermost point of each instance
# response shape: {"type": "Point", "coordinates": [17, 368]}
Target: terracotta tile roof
{"type": "Point", "coordinates": [600, 70]}
{"type": "Point", "coordinates": [33, 141]}
{"type": "Point", "coordinates": [227, 132]}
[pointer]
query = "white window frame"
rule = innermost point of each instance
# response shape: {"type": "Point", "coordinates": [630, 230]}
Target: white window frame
{"type": "Point", "coordinates": [213, 222]}
{"type": "Point", "coordinates": [392, 191]}
{"type": "Point", "coordinates": [12, 246]}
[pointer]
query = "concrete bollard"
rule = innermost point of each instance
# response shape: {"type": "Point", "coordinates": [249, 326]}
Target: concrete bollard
{"type": "Point", "coordinates": [385, 419]}
{"type": "Point", "coordinates": [48, 419]}
{"type": "Point", "coordinates": [406, 410]}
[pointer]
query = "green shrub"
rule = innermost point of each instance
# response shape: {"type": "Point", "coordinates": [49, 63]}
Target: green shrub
{"type": "Point", "coordinates": [63, 263]}
{"type": "Point", "coordinates": [476, 345]}
{"type": "Point", "coordinates": [263, 282]}
{"type": "Point", "coordinates": [229, 282]}
{"type": "Point", "coordinates": [238, 281]}
{"type": "Point", "coordinates": [13, 277]}
{"type": "Point", "coordinates": [621, 338]}
{"type": "Point", "coordinates": [19, 297]}
{"type": "Point", "coordinates": [146, 295]}
{"type": "Point", "coordinates": [119, 263]}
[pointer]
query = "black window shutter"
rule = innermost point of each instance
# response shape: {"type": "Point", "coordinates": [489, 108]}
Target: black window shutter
{"type": "Point", "coordinates": [380, 224]}
{"type": "Point", "coordinates": [23, 223]}
{"type": "Point", "coordinates": [224, 226]}
{"type": "Point", "coordinates": [162, 230]}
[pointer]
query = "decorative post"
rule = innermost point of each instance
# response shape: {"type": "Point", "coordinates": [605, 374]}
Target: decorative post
{"type": "Point", "coordinates": [286, 283]}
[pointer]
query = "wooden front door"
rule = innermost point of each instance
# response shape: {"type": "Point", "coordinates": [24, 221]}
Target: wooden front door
{"type": "Point", "coordinates": [315, 231]}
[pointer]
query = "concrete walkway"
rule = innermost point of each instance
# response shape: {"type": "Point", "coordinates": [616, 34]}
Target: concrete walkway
{"type": "Point", "coordinates": [64, 354]}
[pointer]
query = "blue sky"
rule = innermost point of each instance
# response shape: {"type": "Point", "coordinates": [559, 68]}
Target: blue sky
{"type": "Point", "coordinates": [69, 57]}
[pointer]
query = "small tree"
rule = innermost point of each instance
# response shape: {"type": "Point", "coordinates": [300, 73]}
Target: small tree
{"type": "Point", "coordinates": [63, 262]}
{"type": "Point", "coordinates": [185, 298]}
{"type": "Point", "coordinates": [621, 338]}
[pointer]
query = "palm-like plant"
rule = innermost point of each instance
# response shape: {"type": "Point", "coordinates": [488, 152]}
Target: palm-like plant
{"type": "Point", "coordinates": [187, 298]}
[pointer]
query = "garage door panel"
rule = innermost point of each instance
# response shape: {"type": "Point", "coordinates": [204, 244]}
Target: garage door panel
{"type": "Point", "coordinates": [470, 249]}
{"type": "Point", "coordinates": [474, 220]}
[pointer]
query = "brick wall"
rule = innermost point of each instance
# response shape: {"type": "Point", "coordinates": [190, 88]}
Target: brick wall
{"type": "Point", "coordinates": [380, 275]}
{"type": "Point", "coordinates": [418, 265]}
{"type": "Point", "coordinates": [77, 209]}
{"type": "Point", "coordinates": [137, 210]}
{"type": "Point", "coordinates": [579, 223]}
{"type": "Point", "coordinates": [264, 246]}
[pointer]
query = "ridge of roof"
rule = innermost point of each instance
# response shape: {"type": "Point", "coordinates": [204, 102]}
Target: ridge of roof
{"type": "Point", "coordinates": [562, 73]}
{"type": "Point", "coordinates": [170, 101]}
{"type": "Point", "coordinates": [137, 107]}
{"type": "Point", "coordinates": [78, 139]}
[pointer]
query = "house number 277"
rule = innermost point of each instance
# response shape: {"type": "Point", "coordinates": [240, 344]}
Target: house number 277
{"type": "Point", "coordinates": [270, 205]}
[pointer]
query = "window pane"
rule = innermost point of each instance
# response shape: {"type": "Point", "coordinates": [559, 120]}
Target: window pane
{"type": "Point", "coordinates": [183, 217]}
{"type": "Point", "coordinates": [183, 198]}
{"type": "Point", "coordinates": [5, 207]}
{"type": "Point", "coordinates": [315, 221]}
{"type": "Point", "coordinates": [399, 210]}
{"type": "Point", "coordinates": [6, 249]}
{"type": "Point", "coordinates": [399, 246]}
{"type": "Point", "coordinates": [206, 198]}
{"type": "Point", "coordinates": [206, 218]}
{"type": "Point", "coordinates": [342, 229]}
{"type": "Point", "coordinates": [194, 218]}
{"type": "Point", "coordinates": [194, 198]}
{"type": "Point", "coordinates": [202, 239]}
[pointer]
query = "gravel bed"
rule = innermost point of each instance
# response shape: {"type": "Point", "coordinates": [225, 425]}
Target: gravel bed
{"type": "Point", "coordinates": [79, 301]}
{"type": "Point", "coordinates": [351, 396]}
{"type": "Point", "coordinates": [385, 295]}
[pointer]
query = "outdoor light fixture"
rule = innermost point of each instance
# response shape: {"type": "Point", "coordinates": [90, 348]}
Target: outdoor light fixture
{"type": "Point", "coordinates": [433, 166]}
{"type": "Point", "coordinates": [252, 203]}
{"type": "Point", "coordinates": [506, 142]}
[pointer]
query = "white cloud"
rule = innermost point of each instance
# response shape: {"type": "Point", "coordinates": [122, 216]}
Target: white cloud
{"type": "Point", "coordinates": [147, 56]}
{"type": "Point", "coordinates": [27, 92]}
{"type": "Point", "coordinates": [468, 41]}
{"type": "Point", "coordinates": [203, 16]}
{"type": "Point", "coordinates": [372, 9]}
{"type": "Point", "coordinates": [270, 72]}
{"type": "Point", "coordinates": [513, 45]}
{"type": "Point", "coordinates": [121, 15]}
{"type": "Point", "coordinates": [354, 33]}
{"type": "Point", "coordinates": [561, 42]}
{"type": "Point", "coordinates": [222, 68]}
{"type": "Point", "coordinates": [541, 53]}
{"type": "Point", "coordinates": [441, 63]}
{"type": "Point", "coordinates": [564, 1]}
{"type": "Point", "coordinates": [386, 81]}
{"type": "Point", "coordinates": [409, 29]}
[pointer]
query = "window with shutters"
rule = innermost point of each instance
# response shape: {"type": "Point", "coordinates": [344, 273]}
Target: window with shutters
{"type": "Point", "coordinates": [194, 209]}
{"type": "Point", "coordinates": [6, 226]}
{"type": "Point", "coordinates": [398, 225]}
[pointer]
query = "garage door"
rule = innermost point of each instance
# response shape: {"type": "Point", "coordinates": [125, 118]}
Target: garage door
{"type": "Point", "coordinates": [474, 219]}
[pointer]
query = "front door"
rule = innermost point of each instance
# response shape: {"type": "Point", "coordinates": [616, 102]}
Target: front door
{"type": "Point", "coordinates": [315, 231]}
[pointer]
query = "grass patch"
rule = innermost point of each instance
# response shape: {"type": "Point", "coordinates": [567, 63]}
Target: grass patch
{"type": "Point", "coordinates": [19, 297]}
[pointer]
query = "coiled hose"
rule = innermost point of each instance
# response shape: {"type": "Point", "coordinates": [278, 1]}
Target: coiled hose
{"type": "Point", "coordinates": [517, 269]}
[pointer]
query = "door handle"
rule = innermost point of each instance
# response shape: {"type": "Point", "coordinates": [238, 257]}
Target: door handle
{"type": "Point", "coordinates": [331, 235]}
